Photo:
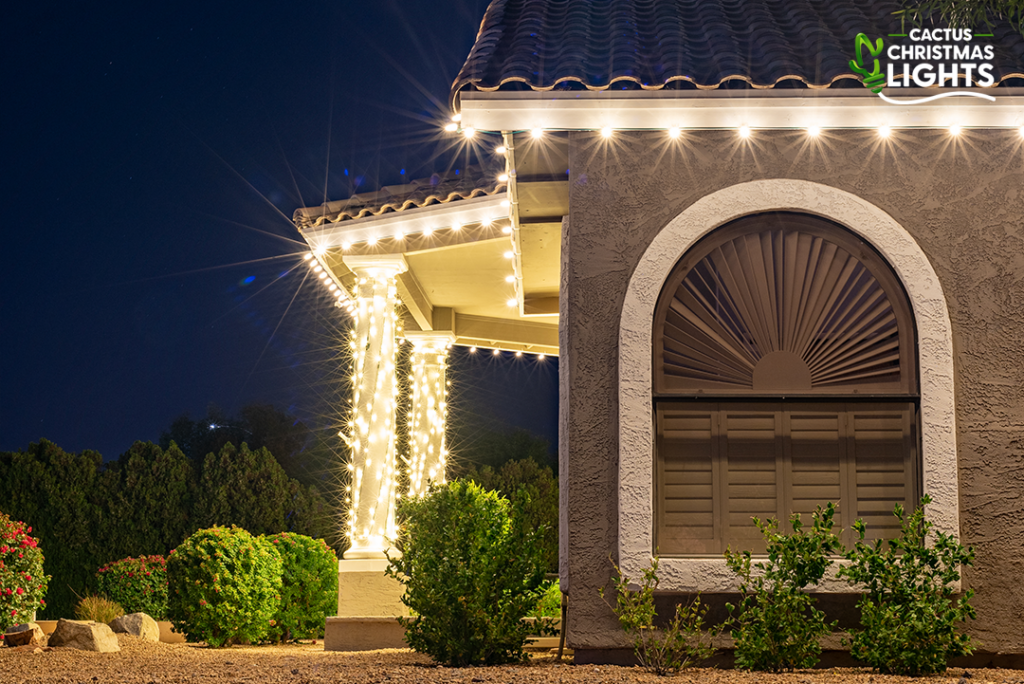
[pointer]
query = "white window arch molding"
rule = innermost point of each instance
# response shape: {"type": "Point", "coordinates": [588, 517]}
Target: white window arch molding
{"type": "Point", "coordinates": [636, 430]}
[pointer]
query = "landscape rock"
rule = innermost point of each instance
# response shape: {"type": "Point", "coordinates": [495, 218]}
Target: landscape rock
{"type": "Point", "coordinates": [25, 634]}
{"type": "Point", "coordinates": [137, 624]}
{"type": "Point", "coordinates": [84, 635]}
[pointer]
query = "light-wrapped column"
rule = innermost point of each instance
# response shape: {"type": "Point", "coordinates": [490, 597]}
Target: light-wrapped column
{"type": "Point", "coordinates": [371, 430]}
{"type": "Point", "coordinates": [428, 454]}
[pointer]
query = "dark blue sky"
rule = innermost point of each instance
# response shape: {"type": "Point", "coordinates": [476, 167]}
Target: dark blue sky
{"type": "Point", "coordinates": [152, 155]}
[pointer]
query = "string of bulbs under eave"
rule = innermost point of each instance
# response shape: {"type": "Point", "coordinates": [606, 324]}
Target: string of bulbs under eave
{"type": "Point", "coordinates": [324, 273]}
{"type": "Point", "coordinates": [516, 277]}
{"type": "Point", "coordinates": [743, 131]}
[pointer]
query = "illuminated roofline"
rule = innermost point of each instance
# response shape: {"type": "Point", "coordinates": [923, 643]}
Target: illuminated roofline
{"type": "Point", "coordinates": [726, 109]}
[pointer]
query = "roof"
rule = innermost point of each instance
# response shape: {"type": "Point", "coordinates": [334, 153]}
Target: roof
{"type": "Point", "coordinates": [655, 44]}
{"type": "Point", "coordinates": [451, 186]}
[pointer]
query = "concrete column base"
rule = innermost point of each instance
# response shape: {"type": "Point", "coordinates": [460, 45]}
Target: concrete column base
{"type": "Point", "coordinates": [363, 633]}
{"type": "Point", "coordinates": [368, 604]}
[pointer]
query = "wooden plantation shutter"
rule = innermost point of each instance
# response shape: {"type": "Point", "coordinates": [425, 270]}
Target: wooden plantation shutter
{"type": "Point", "coordinates": [785, 377]}
{"type": "Point", "coordinates": [720, 464]}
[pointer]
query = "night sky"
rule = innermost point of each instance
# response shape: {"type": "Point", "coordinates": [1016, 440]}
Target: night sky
{"type": "Point", "coordinates": [153, 154]}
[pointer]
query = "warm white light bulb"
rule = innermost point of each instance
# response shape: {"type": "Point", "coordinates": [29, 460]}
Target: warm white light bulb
{"type": "Point", "coordinates": [1021, 131]}
{"type": "Point", "coordinates": [469, 131]}
{"type": "Point", "coordinates": [496, 352]}
{"type": "Point", "coordinates": [346, 245]}
{"type": "Point", "coordinates": [500, 149]}
{"type": "Point", "coordinates": [813, 131]}
{"type": "Point", "coordinates": [606, 132]}
{"type": "Point", "coordinates": [884, 131]}
{"type": "Point", "coordinates": [510, 278]}
{"type": "Point", "coordinates": [541, 357]}
{"type": "Point", "coordinates": [318, 268]}
{"type": "Point", "coordinates": [503, 178]}
{"type": "Point", "coordinates": [456, 227]}
{"type": "Point", "coordinates": [472, 350]}
{"type": "Point", "coordinates": [744, 131]}
{"type": "Point", "coordinates": [519, 354]}
{"type": "Point", "coordinates": [427, 232]}
{"type": "Point", "coordinates": [955, 129]}
{"type": "Point", "coordinates": [308, 256]}
{"type": "Point", "coordinates": [512, 302]}
{"type": "Point", "coordinates": [507, 230]}
{"type": "Point", "coordinates": [457, 117]}
{"type": "Point", "coordinates": [674, 132]}
{"type": "Point", "coordinates": [372, 240]}
{"type": "Point", "coordinates": [505, 203]}
{"type": "Point", "coordinates": [537, 133]}
{"type": "Point", "coordinates": [509, 255]}
{"type": "Point", "coordinates": [451, 128]}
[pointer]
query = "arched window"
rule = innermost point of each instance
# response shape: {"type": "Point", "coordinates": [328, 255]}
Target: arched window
{"type": "Point", "coordinates": [784, 377]}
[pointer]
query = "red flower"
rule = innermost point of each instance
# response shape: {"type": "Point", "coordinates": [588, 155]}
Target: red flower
{"type": "Point", "coordinates": [20, 591]}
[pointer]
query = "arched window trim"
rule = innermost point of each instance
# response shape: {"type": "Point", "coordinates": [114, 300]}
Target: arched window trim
{"type": "Point", "coordinates": [636, 433]}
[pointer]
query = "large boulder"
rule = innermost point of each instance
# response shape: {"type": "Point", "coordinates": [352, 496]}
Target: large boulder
{"type": "Point", "coordinates": [84, 635]}
{"type": "Point", "coordinates": [26, 634]}
{"type": "Point", "coordinates": [137, 624]}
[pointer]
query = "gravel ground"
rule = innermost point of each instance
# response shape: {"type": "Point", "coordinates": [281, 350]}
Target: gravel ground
{"type": "Point", "coordinates": [142, 662]}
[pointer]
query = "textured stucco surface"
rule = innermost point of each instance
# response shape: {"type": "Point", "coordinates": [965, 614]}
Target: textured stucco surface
{"type": "Point", "coordinates": [961, 200]}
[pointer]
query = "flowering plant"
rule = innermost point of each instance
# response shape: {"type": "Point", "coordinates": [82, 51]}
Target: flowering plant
{"type": "Point", "coordinates": [223, 586]}
{"type": "Point", "coordinates": [138, 584]}
{"type": "Point", "coordinates": [309, 586]}
{"type": "Point", "coordinates": [22, 582]}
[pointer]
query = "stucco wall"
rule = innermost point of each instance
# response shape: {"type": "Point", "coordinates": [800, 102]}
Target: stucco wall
{"type": "Point", "coordinates": [962, 200]}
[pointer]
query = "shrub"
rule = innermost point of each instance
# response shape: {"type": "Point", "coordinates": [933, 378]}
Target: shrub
{"type": "Point", "coordinates": [138, 584]}
{"type": "Point", "coordinates": [909, 613]}
{"type": "Point", "coordinates": [533, 489]}
{"type": "Point", "coordinates": [223, 586]}
{"type": "Point", "coordinates": [778, 627]}
{"type": "Point", "coordinates": [309, 586]}
{"type": "Point", "coordinates": [471, 572]}
{"type": "Point", "coordinates": [550, 603]}
{"type": "Point", "coordinates": [22, 582]}
{"type": "Point", "coordinates": [98, 609]}
{"type": "Point", "coordinates": [681, 644]}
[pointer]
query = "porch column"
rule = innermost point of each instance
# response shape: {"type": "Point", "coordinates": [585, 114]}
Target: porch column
{"type": "Point", "coordinates": [428, 454]}
{"type": "Point", "coordinates": [371, 428]}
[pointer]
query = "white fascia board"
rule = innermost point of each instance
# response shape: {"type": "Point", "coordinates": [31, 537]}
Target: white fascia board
{"type": "Point", "coordinates": [782, 109]}
{"type": "Point", "coordinates": [408, 221]}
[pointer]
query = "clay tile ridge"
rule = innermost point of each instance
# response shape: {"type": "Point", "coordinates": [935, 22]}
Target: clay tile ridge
{"type": "Point", "coordinates": [438, 189]}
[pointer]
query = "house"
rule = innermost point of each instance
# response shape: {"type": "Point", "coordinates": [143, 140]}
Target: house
{"type": "Point", "coordinates": [771, 285]}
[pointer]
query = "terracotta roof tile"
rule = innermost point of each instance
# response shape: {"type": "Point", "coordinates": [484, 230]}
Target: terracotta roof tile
{"type": "Point", "coordinates": [653, 44]}
{"type": "Point", "coordinates": [438, 189]}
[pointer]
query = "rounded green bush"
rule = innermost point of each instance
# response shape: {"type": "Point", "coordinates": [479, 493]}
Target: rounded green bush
{"type": "Point", "coordinates": [22, 582]}
{"type": "Point", "coordinates": [309, 586]}
{"type": "Point", "coordinates": [472, 569]}
{"type": "Point", "coordinates": [139, 585]}
{"type": "Point", "coordinates": [224, 586]}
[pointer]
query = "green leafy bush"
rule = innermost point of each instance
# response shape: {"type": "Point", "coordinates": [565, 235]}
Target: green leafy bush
{"type": "Point", "coordinates": [98, 609]}
{"type": "Point", "coordinates": [472, 569]}
{"type": "Point", "coordinates": [138, 584]}
{"type": "Point", "coordinates": [22, 581]}
{"type": "Point", "coordinates": [682, 643]}
{"type": "Point", "coordinates": [777, 627]}
{"type": "Point", "coordinates": [909, 612]}
{"type": "Point", "coordinates": [533, 490]}
{"type": "Point", "coordinates": [309, 586]}
{"type": "Point", "coordinates": [224, 586]}
{"type": "Point", "coordinates": [550, 603]}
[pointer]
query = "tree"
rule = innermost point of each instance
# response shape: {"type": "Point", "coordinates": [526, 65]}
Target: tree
{"type": "Point", "coordinates": [148, 510]}
{"type": "Point", "coordinates": [247, 487]}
